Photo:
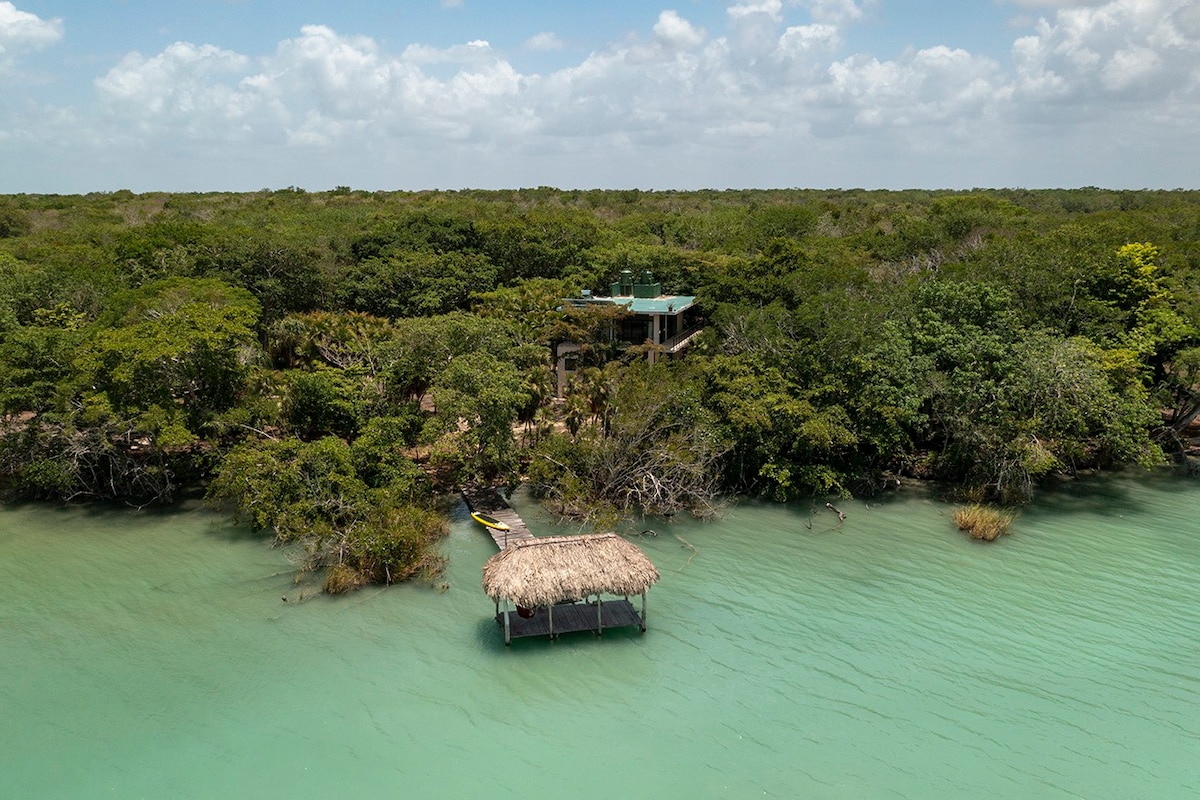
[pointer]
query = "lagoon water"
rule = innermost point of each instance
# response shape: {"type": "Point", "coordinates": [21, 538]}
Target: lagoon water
{"type": "Point", "coordinates": [150, 655]}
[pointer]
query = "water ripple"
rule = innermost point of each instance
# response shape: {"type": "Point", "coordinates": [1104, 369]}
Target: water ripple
{"type": "Point", "coordinates": [888, 658]}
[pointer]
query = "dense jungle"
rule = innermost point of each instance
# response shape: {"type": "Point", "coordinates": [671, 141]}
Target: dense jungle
{"type": "Point", "coordinates": [326, 365]}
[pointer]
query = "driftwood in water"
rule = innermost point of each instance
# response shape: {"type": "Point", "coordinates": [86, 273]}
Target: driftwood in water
{"type": "Point", "coordinates": [841, 517]}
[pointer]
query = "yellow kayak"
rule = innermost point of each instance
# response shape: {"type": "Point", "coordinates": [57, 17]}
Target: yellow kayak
{"type": "Point", "coordinates": [488, 521]}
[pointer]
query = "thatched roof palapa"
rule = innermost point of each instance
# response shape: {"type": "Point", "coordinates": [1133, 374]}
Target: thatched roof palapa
{"type": "Point", "coordinates": [555, 569]}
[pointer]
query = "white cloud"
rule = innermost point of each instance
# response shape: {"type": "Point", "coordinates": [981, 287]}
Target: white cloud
{"type": "Point", "coordinates": [926, 87]}
{"type": "Point", "coordinates": [1057, 3]}
{"type": "Point", "coordinates": [774, 88]}
{"type": "Point", "coordinates": [544, 41]}
{"type": "Point", "coordinates": [181, 67]}
{"type": "Point", "coordinates": [804, 39]}
{"type": "Point", "coordinates": [21, 30]}
{"type": "Point", "coordinates": [323, 88]}
{"type": "Point", "coordinates": [1129, 67]}
{"type": "Point", "coordinates": [1088, 51]}
{"type": "Point", "coordinates": [186, 89]}
{"type": "Point", "coordinates": [769, 8]}
{"type": "Point", "coordinates": [836, 12]}
{"type": "Point", "coordinates": [474, 52]}
{"type": "Point", "coordinates": [676, 32]}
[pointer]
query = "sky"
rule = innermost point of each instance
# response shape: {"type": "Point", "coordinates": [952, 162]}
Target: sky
{"type": "Point", "coordinates": [242, 95]}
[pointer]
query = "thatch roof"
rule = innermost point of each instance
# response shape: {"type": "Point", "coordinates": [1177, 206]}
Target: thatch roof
{"type": "Point", "coordinates": [554, 569]}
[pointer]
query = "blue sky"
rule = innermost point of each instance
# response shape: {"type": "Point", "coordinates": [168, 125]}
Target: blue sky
{"type": "Point", "coordinates": [413, 94]}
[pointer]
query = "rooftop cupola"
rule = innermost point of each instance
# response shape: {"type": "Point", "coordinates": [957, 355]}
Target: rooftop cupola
{"type": "Point", "coordinates": [646, 286]}
{"type": "Point", "coordinates": [623, 285]}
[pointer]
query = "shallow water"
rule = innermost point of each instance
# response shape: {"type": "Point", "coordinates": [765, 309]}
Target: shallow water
{"type": "Point", "coordinates": [150, 655]}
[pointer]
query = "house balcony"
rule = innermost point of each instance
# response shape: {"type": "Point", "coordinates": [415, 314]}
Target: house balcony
{"type": "Point", "coordinates": [681, 340]}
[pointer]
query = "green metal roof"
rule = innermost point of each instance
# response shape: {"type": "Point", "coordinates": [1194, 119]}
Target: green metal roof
{"type": "Point", "coordinates": [663, 304]}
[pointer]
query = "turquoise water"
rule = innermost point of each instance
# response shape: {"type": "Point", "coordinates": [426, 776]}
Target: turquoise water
{"type": "Point", "coordinates": [150, 655]}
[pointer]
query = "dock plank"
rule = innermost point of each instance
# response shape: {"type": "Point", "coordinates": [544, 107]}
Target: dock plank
{"type": "Point", "coordinates": [489, 501]}
{"type": "Point", "coordinates": [571, 618]}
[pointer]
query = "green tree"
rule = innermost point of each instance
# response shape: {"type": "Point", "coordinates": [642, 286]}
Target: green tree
{"type": "Point", "coordinates": [380, 460]}
{"type": "Point", "coordinates": [180, 348]}
{"type": "Point", "coordinates": [36, 362]}
{"type": "Point", "coordinates": [653, 449]}
{"type": "Point", "coordinates": [310, 494]}
{"type": "Point", "coordinates": [336, 339]}
{"type": "Point", "coordinates": [65, 457]}
{"type": "Point", "coordinates": [79, 277]}
{"type": "Point", "coordinates": [1155, 330]}
{"type": "Point", "coordinates": [786, 441]}
{"type": "Point", "coordinates": [284, 277]}
{"type": "Point", "coordinates": [478, 399]}
{"type": "Point", "coordinates": [1182, 391]}
{"type": "Point", "coordinates": [999, 407]}
{"type": "Point", "coordinates": [13, 222]}
{"type": "Point", "coordinates": [543, 242]}
{"type": "Point", "coordinates": [422, 231]}
{"type": "Point", "coordinates": [422, 348]}
{"type": "Point", "coordinates": [323, 401]}
{"type": "Point", "coordinates": [414, 284]}
{"type": "Point", "coordinates": [533, 307]}
{"type": "Point", "coordinates": [297, 490]}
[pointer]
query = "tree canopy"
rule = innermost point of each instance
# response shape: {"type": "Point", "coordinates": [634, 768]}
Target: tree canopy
{"type": "Point", "coordinates": [327, 363]}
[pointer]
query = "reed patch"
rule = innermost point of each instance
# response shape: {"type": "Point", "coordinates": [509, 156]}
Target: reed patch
{"type": "Point", "coordinates": [982, 522]}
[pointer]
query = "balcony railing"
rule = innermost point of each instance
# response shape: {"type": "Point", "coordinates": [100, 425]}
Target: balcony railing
{"type": "Point", "coordinates": [682, 339]}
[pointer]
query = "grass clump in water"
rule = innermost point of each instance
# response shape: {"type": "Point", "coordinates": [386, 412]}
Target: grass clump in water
{"type": "Point", "coordinates": [983, 522]}
{"type": "Point", "coordinates": [343, 578]}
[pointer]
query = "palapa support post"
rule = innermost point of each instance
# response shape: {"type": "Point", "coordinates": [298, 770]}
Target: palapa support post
{"type": "Point", "coordinates": [550, 614]}
{"type": "Point", "coordinates": [599, 616]}
{"type": "Point", "coordinates": [643, 625]}
{"type": "Point", "coordinates": [507, 629]}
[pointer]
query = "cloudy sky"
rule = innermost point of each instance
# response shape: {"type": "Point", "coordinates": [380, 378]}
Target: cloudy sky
{"type": "Point", "coordinates": [200, 95]}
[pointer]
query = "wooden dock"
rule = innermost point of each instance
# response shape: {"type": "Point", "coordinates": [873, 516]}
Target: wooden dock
{"type": "Point", "coordinates": [490, 501]}
{"type": "Point", "coordinates": [570, 618]}
{"type": "Point", "coordinates": [566, 617]}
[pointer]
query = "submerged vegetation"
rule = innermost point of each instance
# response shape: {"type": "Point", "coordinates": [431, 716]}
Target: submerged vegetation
{"type": "Point", "coordinates": [326, 364]}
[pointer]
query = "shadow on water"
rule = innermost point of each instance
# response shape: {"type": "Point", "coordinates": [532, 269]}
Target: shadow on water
{"type": "Point", "coordinates": [96, 509]}
{"type": "Point", "coordinates": [225, 530]}
{"type": "Point", "coordinates": [1107, 493]}
{"type": "Point", "coordinates": [217, 524]}
{"type": "Point", "coordinates": [489, 637]}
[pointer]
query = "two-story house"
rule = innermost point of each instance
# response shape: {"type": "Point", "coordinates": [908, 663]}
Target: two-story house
{"type": "Point", "coordinates": [667, 322]}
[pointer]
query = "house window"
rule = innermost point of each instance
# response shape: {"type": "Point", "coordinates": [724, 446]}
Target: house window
{"type": "Point", "coordinates": [635, 330]}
